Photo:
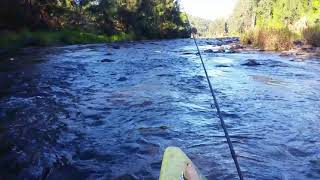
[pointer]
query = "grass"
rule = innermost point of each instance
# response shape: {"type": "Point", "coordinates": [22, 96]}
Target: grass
{"type": "Point", "coordinates": [312, 35]}
{"type": "Point", "coordinates": [48, 38]}
{"type": "Point", "coordinates": [269, 39]}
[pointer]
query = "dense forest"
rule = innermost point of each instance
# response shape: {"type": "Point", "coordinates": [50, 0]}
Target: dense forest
{"type": "Point", "coordinates": [134, 19]}
{"type": "Point", "coordinates": [278, 21]}
{"type": "Point", "coordinates": [295, 15]}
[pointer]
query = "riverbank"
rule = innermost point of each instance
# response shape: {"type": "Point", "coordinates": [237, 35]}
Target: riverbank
{"type": "Point", "coordinates": [12, 40]}
{"type": "Point", "coordinates": [299, 50]}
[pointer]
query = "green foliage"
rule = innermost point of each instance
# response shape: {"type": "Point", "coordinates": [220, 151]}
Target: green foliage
{"type": "Point", "coordinates": [275, 14]}
{"type": "Point", "coordinates": [117, 19]}
{"type": "Point", "coordinates": [243, 17]}
{"type": "Point", "coordinates": [207, 28]}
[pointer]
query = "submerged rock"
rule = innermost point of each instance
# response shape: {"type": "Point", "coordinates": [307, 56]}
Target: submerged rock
{"type": "Point", "coordinates": [223, 65]}
{"type": "Point", "coordinates": [251, 62]}
{"type": "Point", "coordinates": [115, 47]}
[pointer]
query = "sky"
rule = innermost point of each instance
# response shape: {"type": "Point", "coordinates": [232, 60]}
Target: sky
{"type": "Point", "coordinates": [209, 9]}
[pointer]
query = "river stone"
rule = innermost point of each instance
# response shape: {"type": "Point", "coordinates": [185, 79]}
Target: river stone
{"type": "Point", "coordinates": [251, 62]}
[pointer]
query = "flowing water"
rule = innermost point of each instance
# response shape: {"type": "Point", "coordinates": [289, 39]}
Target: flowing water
{"type": "Point", "coordinates": [108, 111]}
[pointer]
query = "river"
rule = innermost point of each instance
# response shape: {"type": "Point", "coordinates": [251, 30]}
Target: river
{"type": "Point", "coordinates": [108, 111]}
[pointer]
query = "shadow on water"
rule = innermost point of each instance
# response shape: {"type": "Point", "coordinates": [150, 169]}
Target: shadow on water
{"type": "Point", "coordinates": [108, 111]}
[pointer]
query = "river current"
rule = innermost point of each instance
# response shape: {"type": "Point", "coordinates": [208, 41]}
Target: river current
{"type": "Point", "coordinates": [108, 111]}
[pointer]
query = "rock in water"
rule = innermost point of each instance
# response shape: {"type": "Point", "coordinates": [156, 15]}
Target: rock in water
{"type": "Point", "coordinates": [107, 60]}
{"type": "Point", "coordinates": [251, 62]}
{"type": "Point", "coordinates": [122, 79]}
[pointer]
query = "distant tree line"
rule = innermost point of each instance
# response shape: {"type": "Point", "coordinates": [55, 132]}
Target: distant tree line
{"type": "Point", "coordinates": [208, 28]}
{"type": "Point", "coordinates": [143, 18]}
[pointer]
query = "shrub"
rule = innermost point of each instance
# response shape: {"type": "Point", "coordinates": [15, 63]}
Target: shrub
{"type": "Point", "coordinates": [269, 38]}
{"type": "Point", "coordinates": [312, 35]}
{"type": "Point", "coordinates": [247, 37]}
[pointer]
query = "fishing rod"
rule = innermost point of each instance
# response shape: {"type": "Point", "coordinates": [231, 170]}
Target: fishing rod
{"type": "Point", "coordinates": [216, 104]}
